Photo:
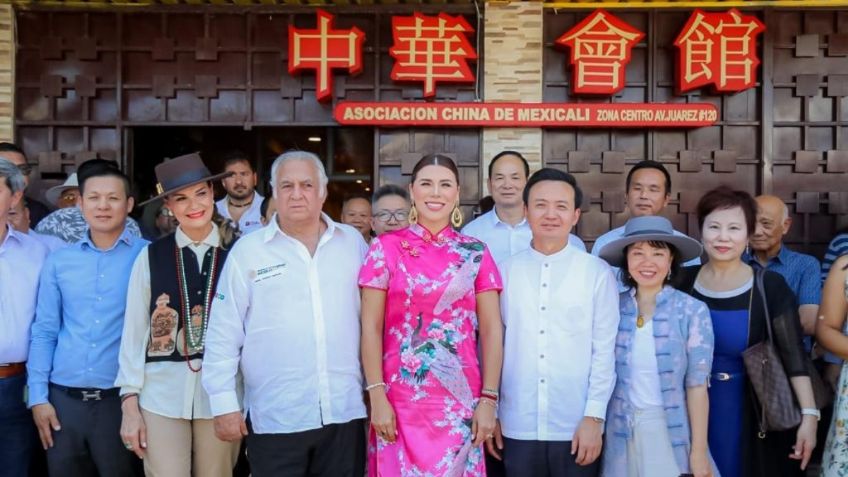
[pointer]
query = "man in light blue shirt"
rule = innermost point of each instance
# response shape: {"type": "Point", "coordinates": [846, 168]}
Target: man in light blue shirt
{"type": "Point", "coordinates": [73, 355]}
{"type": "Point", "coordinates": [504, 229]}
{"type": "Point", "coordinates": [21, 259]}
{"type": "Point", "coordinates": [648, 187]}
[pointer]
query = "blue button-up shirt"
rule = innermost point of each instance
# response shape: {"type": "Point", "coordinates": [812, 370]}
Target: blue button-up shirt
{"type": "Point", "coordinates": [80, 314]}
{"type": "Point", "coordinates": [21, 259]}
{"type": "Point", "coordinates": [802, 273]}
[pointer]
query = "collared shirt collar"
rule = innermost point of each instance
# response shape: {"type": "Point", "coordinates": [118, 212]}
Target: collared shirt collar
{"type": "Point", "coordinates": [125, 237]}
{"type": "Point", "coordinates": [781, 257]}
{"type": "Point", "coordinates": [10, 232]}
{"type": "Point", "coordinates": [273, 228]}
{"type": "Point", "coordinates": [497, 220]}
{"type": "Point", "coordinates": [212, 240]}
{"type": "Point", "coordinates": [441, 236]}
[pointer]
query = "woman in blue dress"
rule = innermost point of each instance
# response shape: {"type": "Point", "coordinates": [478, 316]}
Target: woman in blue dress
{"type": "Point", "coordinates": [727, 285]}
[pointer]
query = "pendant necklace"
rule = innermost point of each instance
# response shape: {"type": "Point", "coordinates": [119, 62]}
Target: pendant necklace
{"type": "Point", "coordinates": [195, 336]}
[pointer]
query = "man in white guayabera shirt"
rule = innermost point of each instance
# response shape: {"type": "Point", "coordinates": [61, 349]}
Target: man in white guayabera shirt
{"type": "Point", "coordinates": [286, 313]}
{"type": "Point", "coordinates": [560, 311]}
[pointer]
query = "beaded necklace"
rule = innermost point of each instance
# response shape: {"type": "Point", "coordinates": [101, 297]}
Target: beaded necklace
{"type": "Point", "coordinates": [195, 337]}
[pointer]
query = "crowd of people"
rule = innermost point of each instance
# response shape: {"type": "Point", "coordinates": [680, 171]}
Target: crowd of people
{"type": "Point", "coordinates": [401, 341]}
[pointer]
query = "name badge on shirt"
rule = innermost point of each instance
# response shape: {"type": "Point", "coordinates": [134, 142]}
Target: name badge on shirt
{"type": "Point", "coordinates": [267, 273]}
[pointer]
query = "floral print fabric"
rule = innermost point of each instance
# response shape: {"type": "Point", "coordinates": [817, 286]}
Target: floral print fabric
{"type": "Point", "coordinates": [430, 363]}
{"type": "Point", "coordinates": [835, 459]}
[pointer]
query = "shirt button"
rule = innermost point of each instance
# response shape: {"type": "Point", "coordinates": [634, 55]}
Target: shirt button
{"type": "Point", "coordinates": [199, 292]}
{"type": "Point", "coordinates": [94, 345]}
{"type": "Point", "coordinates": [97, 321]}
{"type": "Point", "coordinates": [544, 285]}
{"type": "Point", "coordinates": [542, 380]}
{"type": "Point", "coordinates": [541, 356]}
{"type": "Point", "coordinates": [99, 298]}
{"type": "Point", "coordinates": [547, 265]}
{"type": "Point", "coordinates": [541, 332]}
{"type": "Point", "coordinates": [91, 369]}
{"type": "Point", "coordinates": [102, 276]}
{"type": "Point", "coordinates": [543, 308]}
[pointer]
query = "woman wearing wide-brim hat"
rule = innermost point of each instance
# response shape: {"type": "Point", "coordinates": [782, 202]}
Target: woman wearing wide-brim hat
{"type": "Point", "coordinates": [657, 417]}
{"type": "Point", "coordinates": [167, 418]}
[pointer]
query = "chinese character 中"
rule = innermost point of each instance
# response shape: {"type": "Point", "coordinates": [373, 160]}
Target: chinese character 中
{"type": "Point", "coordinates": [323, 49]}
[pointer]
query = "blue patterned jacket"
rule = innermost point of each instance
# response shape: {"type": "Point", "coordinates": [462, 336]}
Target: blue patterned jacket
{"type": "Point", "coordinates": [683, 336]}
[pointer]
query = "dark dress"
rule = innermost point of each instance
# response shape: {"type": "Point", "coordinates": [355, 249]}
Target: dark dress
{"type": "Point", "coordinates": [733, 440]}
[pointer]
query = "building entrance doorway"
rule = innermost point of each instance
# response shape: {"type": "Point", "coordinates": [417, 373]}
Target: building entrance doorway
{"type": "Point", "coordinates": [347, 153]}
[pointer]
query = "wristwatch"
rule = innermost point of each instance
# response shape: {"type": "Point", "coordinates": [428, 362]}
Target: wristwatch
{"type": "Point", "coordinates": [811, 412]}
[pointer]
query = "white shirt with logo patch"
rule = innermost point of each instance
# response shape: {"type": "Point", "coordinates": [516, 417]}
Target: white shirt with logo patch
{"type": "Point", "coordinates": [290, 322]}
{"type": "Point", "coordinates": [250, 220]}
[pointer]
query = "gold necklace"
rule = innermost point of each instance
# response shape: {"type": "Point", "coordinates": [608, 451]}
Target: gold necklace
{"type": "Point", "coordinates": [640, 321]}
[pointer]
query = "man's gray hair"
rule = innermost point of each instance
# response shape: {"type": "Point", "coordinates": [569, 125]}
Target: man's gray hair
{"type": "Point", "coordinates": [299, 156]}
{"type": "Point", "coordinates": [14, 177]}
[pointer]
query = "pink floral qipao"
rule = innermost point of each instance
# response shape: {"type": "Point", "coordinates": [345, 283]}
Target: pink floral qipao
{"type": "Point", "coordinates": [430, 360]}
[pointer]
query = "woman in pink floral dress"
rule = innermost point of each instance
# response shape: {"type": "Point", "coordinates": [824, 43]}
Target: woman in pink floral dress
{"type": "Point", "coordinates": [428, 293]}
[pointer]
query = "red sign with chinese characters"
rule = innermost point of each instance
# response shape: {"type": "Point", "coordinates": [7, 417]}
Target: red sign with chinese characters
{"type": "Point", "coordinates": [432, 50]}
{"type": "Point", "coordinates": [600, 49]}
{"type": "Point", "coordinates": [718, 49]}
{"type": "Point", "coordinates": [552, 115]}
{"type": "Point", "coordinates": [324, 49]}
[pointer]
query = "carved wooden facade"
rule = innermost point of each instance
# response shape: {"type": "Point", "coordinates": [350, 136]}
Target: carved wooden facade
{"type": "Point", "coordinates": [787, 136]}
{"type": "Point", "coordinates": [85, 79]}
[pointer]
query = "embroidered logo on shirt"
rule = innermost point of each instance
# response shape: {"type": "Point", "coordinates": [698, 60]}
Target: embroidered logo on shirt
{"type": "Point", "coordinates": [163, 328]}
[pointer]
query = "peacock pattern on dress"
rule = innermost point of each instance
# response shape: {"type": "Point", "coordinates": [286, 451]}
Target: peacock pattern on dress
{"type": "Point", "coordinates": [430, 360]}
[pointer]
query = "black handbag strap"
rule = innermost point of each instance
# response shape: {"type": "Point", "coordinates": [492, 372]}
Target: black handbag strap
{"type": "Point", "coordinates": [758, 281]}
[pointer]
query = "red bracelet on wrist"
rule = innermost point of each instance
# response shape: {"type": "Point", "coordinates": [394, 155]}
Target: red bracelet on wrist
{"type": "Point", "coordinates": [493, 397]}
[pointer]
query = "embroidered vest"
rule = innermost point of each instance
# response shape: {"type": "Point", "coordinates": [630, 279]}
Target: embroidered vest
{"type": "Point", "coordinates": [168, 340]}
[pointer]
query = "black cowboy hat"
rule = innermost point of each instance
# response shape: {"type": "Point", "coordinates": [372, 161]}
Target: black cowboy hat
{"type": "Point", "coordinates": [181, 172]}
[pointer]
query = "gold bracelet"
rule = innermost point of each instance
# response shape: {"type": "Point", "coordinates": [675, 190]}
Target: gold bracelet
{"type": "Point", "coordinates": [489, 402]}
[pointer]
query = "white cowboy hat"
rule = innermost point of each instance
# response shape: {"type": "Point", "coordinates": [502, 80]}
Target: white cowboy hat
{"type": "Point", "coordinates": [55, 192]}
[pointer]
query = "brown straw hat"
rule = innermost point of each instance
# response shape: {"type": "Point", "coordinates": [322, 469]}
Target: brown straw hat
{"type": "Point", "coordinates": [180, 172]}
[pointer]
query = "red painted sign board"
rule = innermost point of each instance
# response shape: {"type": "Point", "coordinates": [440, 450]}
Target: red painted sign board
{"type": "Point", "coordinates": [718, 49]}
{"type": "Point", "coordinates": [548, 115]}
{"type": "Point", "coordinates": [432, 50]}
{"type": "Point", "coordinates": [324, 49]}
{"type": "Point", "coordinates": [601, 48]}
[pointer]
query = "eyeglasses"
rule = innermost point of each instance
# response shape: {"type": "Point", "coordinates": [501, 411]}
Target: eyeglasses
{"type": "Point", "coordinates": [387, 215]}
{"type": "Point", "coordinates": [25, 169]}
{"type": "Point", "coordinates": [69, 196]}
{"type": "Point", "coordinates": [166, 213]}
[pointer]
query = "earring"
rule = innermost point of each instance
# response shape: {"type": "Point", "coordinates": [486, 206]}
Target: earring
{"type": "Point", "coordinates": [668, 278]}
{"type": "Point", "coordinates": [747, 249]}
{"type": "Point", "coordinates": [413, 215]}
{"type": "Point", "coordinates": [456, 216]}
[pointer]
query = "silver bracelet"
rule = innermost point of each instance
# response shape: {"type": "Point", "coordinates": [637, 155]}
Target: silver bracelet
{"type": "Point", "coordinates": [807, 411]}
{"type": "Point", "coordinates": [375, 386]}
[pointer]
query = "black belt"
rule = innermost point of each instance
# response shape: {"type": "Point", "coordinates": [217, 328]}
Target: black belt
{"type": "Point", "coordinates": [87, 394]}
